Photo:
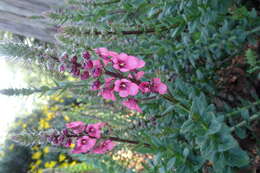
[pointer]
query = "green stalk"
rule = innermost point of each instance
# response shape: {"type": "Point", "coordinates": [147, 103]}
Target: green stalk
{"type": "Point", "coordinates": [241, 124]}
{"type": "Point", "coordinates": [243, 108]}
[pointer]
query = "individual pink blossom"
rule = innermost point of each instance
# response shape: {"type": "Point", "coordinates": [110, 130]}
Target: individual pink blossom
{"type": "Point", "coordinates": [84, 75]}
{"type": "Point", "coordinates": [104, 147]}
{"type": "Point", "coordinates": [125, 63]}
{"type": "Point", "coordinates": [108, 94]}
{"type": "Point", "coordinates": [105, 54]}
{"type": "Point", "coordinates": [96, 72]}
{"type": "Point", "coordinates": [88, 65]}
{"type": "Point", "coordinates": [158, 86]}
{"type": "Point", "coordinates": [96, 85]}
{"type": "Point", "coordinates": [137, 75]}
{"type": "Point", "coordinates": [76, 126]}
{"type": "Point", "coordinates": [86, 55]}
{"type": "Point", "coordinates": [62, 68]}
{"type": "Point", "coordinates": [140, 63]}
{"type": "Point", "coordinates": [132, 104]}
{"type": "Point", "coordinates": [74, 59]}
{"type": "Point", "coordinates": [126, 87]}
{"type": "Point", "coordinates": [68, 143]}
{"type": "Point", "coordinates": [84, 144]}
{"type": "Point", "coordinates": [102, 52]}
{"type": "Point", "coordinates": [94, 130]}
{"type": "Point", "coordinates": [145, 87]}
{"type": "Point", "coordinates": [97, 63]}
{"type": "Point", "coordinates": [109, 82]}
{"type": "Point", "coordinates": [108, 90]}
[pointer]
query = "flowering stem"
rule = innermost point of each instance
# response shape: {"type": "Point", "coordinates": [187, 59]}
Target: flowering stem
{"type": "Point", "coordinates": [127, 141]}
{"type": "Point", "coordinates": [118, 75]}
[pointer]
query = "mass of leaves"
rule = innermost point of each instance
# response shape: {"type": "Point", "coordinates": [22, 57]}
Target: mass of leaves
{"type": "Point", "coordinates": [207, 52]}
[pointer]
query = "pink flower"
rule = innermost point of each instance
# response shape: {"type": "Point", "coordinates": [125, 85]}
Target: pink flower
{"type": "Point", "coordinates": [108, 94]}
{"type": "Point", "coordinates": [132, 104]}
{"type": "Point", "coordinates": [68, 143]}
{"type": "Point", "coordinates": [84, 75]}
{"type": "Point", "coordinates": [126, 87]}
{"type": "Point", "coordinates": [62, 68]}
{"type": "Point", "coordinates": [96, 85]}
{"type": "Point", "coordinates": [105, 54]}
{"type": "Point", "coordinates": [76, 126]}
{"type": "Point", "coordinates": [102, 52]}
{"type": "Point", "coordinates": [109, 82]}
{"type": "Point", "coordinates": [108, 91]}
{"type": "Point", "coordinates": [84, 144]}
{"type": "Point", "coordinates": [158, 86]}
{"type": "Point", "coordinates": [145, 87]}
{"type": "Point", "coordinates": [140, 63]}
{"type": "Point", "coordinates": [88, 65]}
{"type": "Point", "coordinates": [125, 63]}
{"type": "Point", "coordinates": [105, 146]}
{"type": "Point", "coordinates": [94, 130]}
{"type": "Point", "coordinates": [96, 72]}
{"type": "Point", "coordinates": [137, 75]}
{"type": "Point", "coordinates": [86, 55]}
{"type": "Point", "coordinates": [97, 63]}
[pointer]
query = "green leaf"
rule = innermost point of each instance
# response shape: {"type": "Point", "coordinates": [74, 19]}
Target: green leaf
{"type": "Point", "coordinates": [186, 152]}
{"type": "Point", "coordinates": [187, 126]}
{"type": "Point", "coordinates": [237, 157]}
{"type": "Point", "coordinates": [171, 163]}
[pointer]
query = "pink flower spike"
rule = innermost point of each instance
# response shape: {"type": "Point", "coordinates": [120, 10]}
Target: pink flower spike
{"type": "Point", "coordinates": [76, 126]}
{"type": "Point", "coordinates": [132, 104]}
{"type": "Point", "coordinates": [126, 87]}
{"type": "Point", "coordinates": [104, 147]}
{"type": "Point", "coordinates": [84, 144]}
{"type": "Point", "coordinates": [158, 86]}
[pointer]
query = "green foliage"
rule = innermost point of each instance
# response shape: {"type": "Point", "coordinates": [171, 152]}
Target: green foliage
{"type": "Point", "coordinates": [212, 101]}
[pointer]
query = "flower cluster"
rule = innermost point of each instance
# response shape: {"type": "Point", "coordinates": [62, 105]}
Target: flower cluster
{"type": "Point", "coordinates": [124, 79]}
{"type": "Point", "coordinates": [87, 138]}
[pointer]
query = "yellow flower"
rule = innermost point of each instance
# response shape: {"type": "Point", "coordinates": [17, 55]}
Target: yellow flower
{"type": "Point", "coordinates": [36, 155]}
{"type": "Point", "coordinates": [39, 171]}
{"type": "Point", "coordinates": [50, 115]}
{"type": "Point", "coordinates": [24, 126]}
{"type": "Point", "coordinates": [11, 147]}
{"type": "Point", "coordinates": [50, 164]}
{"type": "Point", "coordinates": [72, 145]}
{"type": "Point", "coordinates": [43, 124]}
{"type": "Point", "coordinates": [54, 108]}
{"type": "Point", "coordinates": [35, 148]}
{"type": "Point", "coordinates": [65, 164]}
{"type": "Point", "coordinates": [38, 162]}
{"type": "Point", "coordinates": [73, 163]}
{"type": "Point", "coordinates": [62, 157]}
{"type": "Point", "coordinates": [46, 149]}
{"type": "Point", "coordinates": [66, 118]}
